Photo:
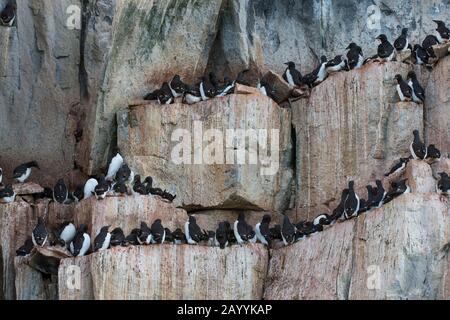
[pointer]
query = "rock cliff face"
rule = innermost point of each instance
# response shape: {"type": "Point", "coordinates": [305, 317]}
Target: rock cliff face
{"type": "Point", "coordinates": [66, 82]}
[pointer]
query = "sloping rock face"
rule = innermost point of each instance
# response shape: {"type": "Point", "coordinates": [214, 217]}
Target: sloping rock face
{"type": "Point", "coordinates": [39, 87]}
{"type": "Point", "coordinates": [167, 272]}
{"type": "Point", "coordinates": [209, 175]}
{"type": "Point", "coordinates": [399, 251]}
{"type": "Point", "coordinates": [156, 39]}
{"type": "Point", "coordinates": [351, 127]}
{"type": "Point", "coordinates": [437, 104]}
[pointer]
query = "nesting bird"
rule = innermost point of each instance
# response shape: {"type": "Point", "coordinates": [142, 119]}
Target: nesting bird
{"type": "Point", "coordinates": [418, 93]}
{"type": "Point", "coordinates": [7, 194]}
{"type": "Point", "coordinates": [60, 192]}
{"type": "Point", "coordinates": [81, 244]}
{"type": "Point", "coordinates": [8, 14]}
{"type": "Point", "coordinates": [386, 51]}
{"type": "Point", "coordinates": [40, 233]}
{"type": "Point", "coordinates": [402, 42]}
{"type": "Point", "coordinates": [443, 31]}
{"type": "Point", "coordinates": [355, 57]}
{"type": "Point", "coordinates": [351, 206]}
{"type": "Point", "coordinates": [262, 230]}
{"type": "Point", "coordinates": [23, 172]}
{"type": "Point", "coordinates": [292, 76]}
{"type": "Point", "coordinates": [102, 240]}
{"type": "Point", "coordinates": [403, 89]}
{"type": "Point", "coordinates": [417, 148]}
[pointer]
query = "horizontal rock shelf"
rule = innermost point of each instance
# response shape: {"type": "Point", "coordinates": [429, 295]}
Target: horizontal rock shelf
{"type": "Point", "coordinates": [145, 134]}
{"type": "Point", "coordinates": [399, 251]}
{"type": "Point", "coordinates": [166, 272]}
{"type": "Point", "coordinates": [351, 127]}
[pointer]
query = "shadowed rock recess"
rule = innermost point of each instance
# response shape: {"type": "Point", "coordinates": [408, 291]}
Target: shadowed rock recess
{"type": "Point", "coordinates": [71, 73]}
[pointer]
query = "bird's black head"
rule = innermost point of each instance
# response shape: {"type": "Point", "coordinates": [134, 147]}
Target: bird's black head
{"type": "Point", "coordinates": [443, 174]}
{"type": "Point", "coordinates": [105, 229]}
{"type": "Point", "coordinates": [439, 23]}
{"type": "Point", "coordinates": [137, 178]}
{"type": "Point", "coordinates": [323, 59]}
{"type": "Point", "coordinates": [398, 77]}
{"type": "Point", "coordinates": [382, 38]}
{"type": "Point", "coordinates": [290, 64]}
{"type": "Point", "coordinates": [149, 180]}
{"type": "Point", "coordinates": [157, 222]}
{"type": "Point", "coordinates": [405, 31]}
{"type": "Point", "coordinates": [117, 231]}
{"type": "Point", "coordinates": [266, 218]}
{"type": "Point", "coordinates": [433, 152]}
{"type": "Point", "coordinates": [416, 133]}
{"type": "Point", "coordinates": [412, 75]}
{"type": "Point", "coordinates": [192, 219]}
{"type": "Point", "coordinates": [351, 46]}
{"type": "Point", "coordinates": [241, 217]}
{"type": "Point", "coordinates": [351, 184]}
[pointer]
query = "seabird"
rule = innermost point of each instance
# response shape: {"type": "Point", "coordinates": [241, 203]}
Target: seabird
{"type": "Point", "coordinates": [318, 75]}
{"type": "Point", "coordinates": [114, 166]}
{"type": "Point", "coordinates": [102, 188]}
{"type": "Point", "coordinates": [89, 188]}
{"type": "Point", "coordinates": [169, 236]}
{"type": "Point", "coordinates": [149, 188]}
{"type": "Point", "coordinates": [207, 90]}
{"type": "Point", "coordinates": [336, 64]}
{"type": "Point", "coordinates": [81, 243]}
{"type": "Point", "coordinates": [351, 206]}
{"type": "Point", "coordinates": [25, 249]}
{"type": "Point", "coordinates": [221, 236]}
{"type": "Point", "coordinates": [226, 88]}
{"type": "Point", "coordinates": [380, 194]}
{"type": "Point", "coordinates": [168, 196]}
{"type": "Point", "coordinates": [240, 77]}
{"type": "Point", "coordinates": [418, 93]}
{"type": "Point", "coordinates": [120, 188]}
{"type": "Point", "coordinates": [417, 148]}
{"type": "Point", "coordinates": [288, 231]}
{"type": "Point", "coordinates": [78, 194]}
{"type": "Point", "coordinates": [60, 192]}
{"type": "Point", "coordinates": [1, 176]}
{"type": "Point", "coordinates": [243, 232]}
{"type": "Point", "coordinates": [443, 184]}
{"type": "Point", "coordinates": [158, 232]}
{"type": "Point", "coordinates": [177, 87]}
{"type": "Point", "coordinates": [117, 237]}
{"type": "Point", "coordinates": [23, 172]}
{"type": "Point", "coordinates": [66, 233]}
{"type": "Point", "coordinates": [151, 95]}
{"type": "Point", "coordinates": [386, 51]}
{"type": "Point", "coordinates": [420, 54]}
{"type": "Point", "coordinates": [398, 167]}
{"type": "Point", "coordinates": [7, 194]}
{"type": "Point", "coordinates": [275, 233]}
{"type": "Point", "coordinates": [179, 237]}
{"type": "Point", "coordinates": [145, 234]}
{"type": "Point", "coordinates": [40, 234]}
{"type": "Point", "coordinates": [102, 240]}
{"type": "Point", "coordinates": [292, 76]}
{"type": "Point", "coordinates": [133, 238]}
{"type": "Point", "coordinates": [402, 42]}
{"type": "Point", "coordinates": [165, 94]}
{"type": "Point", "coordinates": [397, 189]}
{"type": "Point", "coordinates": [192, 231]}
{"type": "Point", "coordinates": [304, 228]}
{"type": "Point", "coordinates": [433, 153]}
{"type": "Point", "coordinates": [322, 220]}
{"type": "Point", "coordinates": [403, 89]}
{"type": "Point", "coordinates": [192, 94]}
{"type": "Point", "coordinates": [262, 230]}
{"type": "Point", "coordinates": [125, 174]}
{"type": "Point", "coordinates": [266, 88]}
{"type": "Point", "coordinates": [8, 14]}
{"type": "Point", "coordinates": [355, 58]}
{"type": "Point", "coordinates": [443, 31]}
{"type": "Point", "coordinates": [339, 210]}
{"type": "Point", "coordinates": [139, 187]}
{"type": "Point", "coordinates": [428, 43]}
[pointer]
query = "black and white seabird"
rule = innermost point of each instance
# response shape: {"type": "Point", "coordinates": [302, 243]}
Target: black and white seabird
{"type": "Point", "coordinates": [120, 188]}
{"type": "Point", "coordinates": [164, 95]}
{"type": "Point", "coordinates": [125, 174]}
{"type": "Point", "coordinates": [221, 236]}
{"type": "Point", "coordinates": [102, 188]}
{"type": "Point", "coordinates": [179, 237]}
{"type": "Point", "coordinates": [81, 243]}
{"type": "Point", "coordinates": [102, 240]}
{"type": "Point", "coordinates": [243, 232]}
{"type": "Point", "coordinates": [336, 64]}
{"type": "Point", "coordinates": [288, 231]}
{"type": "Point", "coordinates": [207, 90]}
{"type": "Point", "coordinates": [114, 166]}
{"type": "Point", "coordinates": [386, 51]}
{"type": "Point", "coordinates": [226, 88]}
{"type": "Point", "coordinates": [322, 220]}
{"type": "Point", "coordinates": [338, 212]}
{"type": "Point", "coordinates": [433, 153]}
{"type": "Point", "coordinates": [150, 189]}
{"type": "Point", "coordinates": [241, 77]}
{"type": "Point", "coordinates": [117, 237]}
{"type": "Point", "coordinates": [23, 172]}
{"type": "Point", "coordinates": [25, 249]}
{"type": "Point", "coordinates": [192, 94]}
{"type": "Point", "coordinates": [1, 176]}
{"type": "Point", "coordinates": [66, 233]}
{"type": "Point", "coordinates": [355, 58]}
{"type": "Point", "coordinates": [371, 194]}
{"type": "Point", "coordinates": [352, 204]}
{"type": "Point", "coordinates": [292, 76]}
{"type": "Point", "coordinates": [403, 89]}
{"type": "Point", "coordinates": [169, 236]}
{"type": "Point", "coordinates": [78, 194]}
{"type": "Point", "coordinates": [60, 192]}
{"type": "Point", "coordinates": [380, 195]}
{"type": "Point", "coordinates": [158, 232]}
{"type": "Point", "coordinates": [443, 31]}
{"type": "Point", "coordinates": [275, 232]}
{"type": "Point", "coordinates": [318, 75]}
{"type": "Point", "coordinates": [266, 88]}
{"type": "Point", "coordinates": [89, 188]}
{"type": "Point", "coordinates": [168, 196]}
{"type": "Point", "coordinates": [262, 230]}
{"type": "Point", "coordinates": [8, 14]}
{"type": "Point", "coordinates": [145, 234]}
{"type": "Point", "coordinates": [398, 167]}
{"type": "Point", "coordinates": [418, 93]}
{"type": "Point", "coordinates": [417, 148]}
{"type": "Point", "coordinates": [428, 43]}
{"type": "Point", "coordinates": [139, 187]}
{"type": "Point", "coordinates": [177, 87]}
{"type": "Point", "coordinates": [420, 55]}
{"type": "Point", "coordinates": [402, 42]}
{"type": "Point", "coordinates": [304, 228]}
{"type": "Point", "coordinates": [443, 184]}
{"type": "Point", "coordinates": [7, 194]}
{"type": "Point", "coordinates": [192, 231]}
{"type": "Point", "coordinates": [133, 238]}
{"type": "Point", "coordinates": [397, 189]}
{"type": "Point", "coordinates": [40, 233]}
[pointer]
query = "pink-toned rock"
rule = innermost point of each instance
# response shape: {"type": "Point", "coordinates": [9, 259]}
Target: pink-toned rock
{"type": "Point", "coordinates": [27, 188]}
{"type": "Point", "coordinates": [441, 50]}
{"type": "Point", "coordinates": [280, 87]}
{"type": "Point", "coordinates": [243, 89]}
{"type": "Point", "coordinates": [420, 176]}
{"type": "Point", "coordinates": [167, 272]}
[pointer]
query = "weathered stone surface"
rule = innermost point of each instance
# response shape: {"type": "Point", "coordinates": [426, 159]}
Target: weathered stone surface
{"type": "Point", "coordinates": [420, 176]}
{"type": "Point", "coordinates": [27, 188]}
{"type": "Point", "coordinates": [145, 135]}
{"type": "Point", "coordinates": [210, 219]}
{"type": "Point", "coordinates": [396, 252]}
{"type": "Point", "coordinates": [437, 104]}
{"type": "Point", "coordinates": [157, 39]}
{"type": "Point", "coordinates": [441, 50]}
{"type": "Point", "coordinates": [242, 89]}
{"type": "Point", "coordinates": [280, 87]}
{"type": "Point", "coordinates": [351, 127]}
{"type": "Point", "coordinates": [39, 88]}
{"type": "Point", "coordinates": [169, 272]}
